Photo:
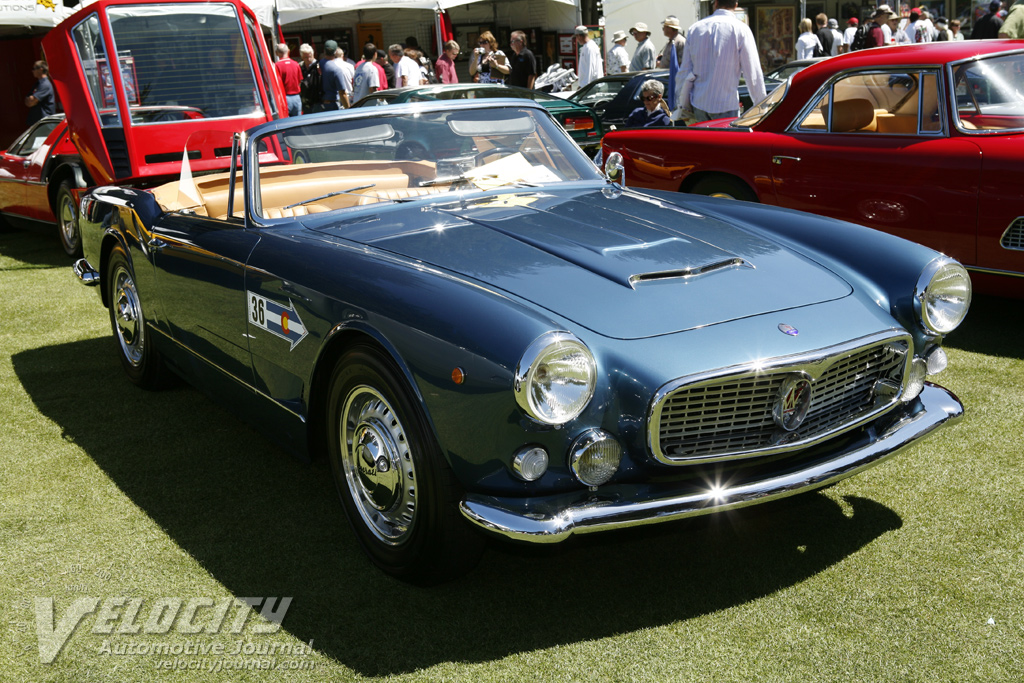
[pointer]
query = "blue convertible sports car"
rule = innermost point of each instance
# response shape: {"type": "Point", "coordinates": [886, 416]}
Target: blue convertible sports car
{"type": "Point", "coordinates": [504, 338]}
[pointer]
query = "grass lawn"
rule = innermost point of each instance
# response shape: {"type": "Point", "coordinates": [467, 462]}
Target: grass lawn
{"type": "Point", "coordinates": [913, 571]}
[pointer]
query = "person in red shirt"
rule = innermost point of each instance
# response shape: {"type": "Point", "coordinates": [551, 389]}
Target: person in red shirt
{"type": "Point", "coordinates": [291, 77]}
{"type": "Point", "coordinates": [445, 65]}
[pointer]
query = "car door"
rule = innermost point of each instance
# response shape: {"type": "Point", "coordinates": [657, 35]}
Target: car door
{"type": "Point", "coordinates": [17, 170]}
{"type": "Point", "coordinates": [200, 277]}
{"type": "Point", "coordinates": [874, 149]}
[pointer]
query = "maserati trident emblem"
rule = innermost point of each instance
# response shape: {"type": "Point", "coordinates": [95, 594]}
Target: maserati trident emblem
{"type": "Point", "coordinates": [792, 403]}
{"type": "Point", "coordinates": [788, 329]}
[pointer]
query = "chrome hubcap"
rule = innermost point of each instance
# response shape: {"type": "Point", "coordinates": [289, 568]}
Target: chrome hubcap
{"type": "Point", "coordinates": [378, 465]}
{"type": "Point", "coordinates": [67, 221]}
{"type": "Point", "coordinates": [128, 316]}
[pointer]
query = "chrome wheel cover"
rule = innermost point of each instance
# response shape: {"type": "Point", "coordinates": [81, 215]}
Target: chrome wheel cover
{"type": "Point", "coordinates": [127, 312]}
{"type": "Point", "coordinates": [66, 220]}
{"type": "Point", "coordinates": [377, 465]}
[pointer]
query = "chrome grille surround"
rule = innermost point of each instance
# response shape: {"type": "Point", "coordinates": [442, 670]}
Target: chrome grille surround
{"type": "Point", "coordinates": [1013, 238]}
{"type": "Point", "coordinates": [726, 414]}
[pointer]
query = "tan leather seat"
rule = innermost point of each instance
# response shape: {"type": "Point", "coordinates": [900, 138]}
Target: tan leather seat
{"type": "Point", "coordinates": [851, 115]}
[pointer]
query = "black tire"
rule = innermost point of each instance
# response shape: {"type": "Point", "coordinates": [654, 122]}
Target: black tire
{"type": "Point", "coordinates": [398, 492]}
{"type": "Point", "coordinates": [66, 211]}
{"type": "Point", "coordinates": [724, 187]}
{"type": "Point", "coordinates": [139, 356]}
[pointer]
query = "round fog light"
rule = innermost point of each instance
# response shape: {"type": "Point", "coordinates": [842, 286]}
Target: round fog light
{"type": "Point", "coordinates": [530, 463]}
{"type": "Point", "coordinates": [594, 457]}
{"type": "Point", "coordinates": [937, 360]}
{"type": "Point", "coordinates": [915, 379]}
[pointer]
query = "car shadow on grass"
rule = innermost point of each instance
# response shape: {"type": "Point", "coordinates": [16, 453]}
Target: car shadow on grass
{"type": "Point", "coordinates": [30, 245]}
{"type": "Point", "coordinates": [262, 523]}
{"type": "Point", "coordinates": [994, 327]}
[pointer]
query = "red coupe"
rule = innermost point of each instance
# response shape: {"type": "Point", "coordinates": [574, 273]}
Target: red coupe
{"type": "Point", "coordinates": [922, 141]}
{"type": "Point", "coordinates": [37, 173]}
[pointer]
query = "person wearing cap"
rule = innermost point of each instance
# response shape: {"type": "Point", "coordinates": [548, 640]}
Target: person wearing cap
{"type": "Point", "coordinates": [988, 26]}
{"type": "Point", "coordinates": [334, 79]}
{"type": "Point", "coordinates": [900, 28]}
{"type": "Point", "coordinates": [670, 27]}
{"type": "Point", "coordinates": [618, 58]}
{"type": "Point", "coordinates": [645, 56]}
{"type": "Point", "coordinates": [837, 37]}
{"type": "Point", "coordinates": [884, 23]}
{"type": "Point", "coordinates": [1013, 26]}
{"type": "Point", "coordinates": [852, 24]}
{"type": "Point", "coordinates": [918, 28]}
{"type": "Point", "coordinates": [876, 36]}
{"type": "Point", "coordinates": [719, 48]}
{"type": "Point", "coordinates": [590, 66]}
{"type": "Point", "coordinates": [942, 26]}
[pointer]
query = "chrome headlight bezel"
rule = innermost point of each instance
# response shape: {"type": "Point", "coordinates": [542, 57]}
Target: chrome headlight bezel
{"type": "Point", "coordinates": [533, 360]}
{"type": "Point", "coordinates": [930, 290]}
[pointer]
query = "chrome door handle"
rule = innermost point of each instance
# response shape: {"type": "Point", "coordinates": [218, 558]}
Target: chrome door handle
{"type": "Point", "coordinates": [777, 160]}
{"type": "Point", "coordinates": [156, 243]}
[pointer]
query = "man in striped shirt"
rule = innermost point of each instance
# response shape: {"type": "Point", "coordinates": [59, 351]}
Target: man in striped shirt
{"type": "Point", "coordinates": [718, 49]}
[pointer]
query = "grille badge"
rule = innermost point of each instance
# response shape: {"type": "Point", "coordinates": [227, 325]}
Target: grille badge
{"type": "Point", "coordinates": [792, 404]}
{"type": "Point", "coordinates": [788, 329]}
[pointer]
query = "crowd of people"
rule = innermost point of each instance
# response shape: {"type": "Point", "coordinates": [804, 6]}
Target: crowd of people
{"type": "Point", "coordinates": [707, 61]}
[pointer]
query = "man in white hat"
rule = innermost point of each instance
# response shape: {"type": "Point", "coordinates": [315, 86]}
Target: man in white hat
{"type": "Point", "coordinates": [645, 56]}
{"type": "Point", "coordinates": [670, 27]}
{"type": "Point", "coordinates": [590, 67]}
{"type": "Point", "coordinates": [618, 58]}
{"type": "Point", "coordinates": [876, 36]}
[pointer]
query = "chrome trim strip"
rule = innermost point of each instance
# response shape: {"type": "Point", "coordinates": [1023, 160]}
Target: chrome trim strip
{"type": "Point", "coordinates": [85, 273]}
{"type": "Point", "coordinates": [807, 363]}
{"type": "Point", "coordinates": [554, 519]}
{"type": "Point", "coordinates": [993, 271]}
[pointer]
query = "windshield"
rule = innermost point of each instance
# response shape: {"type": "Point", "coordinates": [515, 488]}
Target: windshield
{"type": "Point", "coordinates": [344, 162]}
{"type": "Point", "coordinates": [990, 94]}
{"type": "Point", "coordinates": [180, 62]}
{"type": "Point", "coordinates": [759, 111]}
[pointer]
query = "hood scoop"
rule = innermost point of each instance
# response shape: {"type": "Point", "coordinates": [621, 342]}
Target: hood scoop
{"type": "Point", "coordinates": [685, 273]}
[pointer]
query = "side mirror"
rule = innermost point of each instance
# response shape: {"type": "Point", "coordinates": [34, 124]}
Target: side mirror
{"type": "Point", "coordinates": [614, 171]}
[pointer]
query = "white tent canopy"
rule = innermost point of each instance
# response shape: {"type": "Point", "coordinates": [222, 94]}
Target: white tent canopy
{"type": "Point", "coordinates": [297, 10]}
{"type": "Point", "coordinates": [31, 14]}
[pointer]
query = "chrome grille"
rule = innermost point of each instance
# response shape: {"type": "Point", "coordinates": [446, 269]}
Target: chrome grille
{"type": "Point", "coordinates": [730, 416]}
{"type": "Point", "coordinates": [1013, 238]}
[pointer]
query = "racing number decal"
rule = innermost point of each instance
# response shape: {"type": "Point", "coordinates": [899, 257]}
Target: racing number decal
{"type": "Point", "coordinates": [281, 321]}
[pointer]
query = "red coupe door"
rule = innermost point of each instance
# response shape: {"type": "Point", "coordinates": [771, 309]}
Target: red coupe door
{"type": "Point", "coordinates": [871, 159]}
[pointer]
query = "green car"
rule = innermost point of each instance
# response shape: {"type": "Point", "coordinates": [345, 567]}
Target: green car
{"type": "Point", "coordinates": [579, 120]}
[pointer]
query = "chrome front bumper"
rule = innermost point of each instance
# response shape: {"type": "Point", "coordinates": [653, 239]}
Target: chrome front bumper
{"type": "Point", "coordinates": [554, 518]}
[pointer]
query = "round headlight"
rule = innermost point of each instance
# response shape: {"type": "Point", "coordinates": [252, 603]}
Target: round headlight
{"type": "Point", "coordinates": [594, 457]}
{"type": "Point", "coordinates": [555, 378]}
{"type": "Point", "coordinates": [943, 295]}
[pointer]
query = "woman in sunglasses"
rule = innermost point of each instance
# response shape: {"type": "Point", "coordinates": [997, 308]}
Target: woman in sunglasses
{"type": "Point", "coordinates": [654, 112]}
{"type": "Point", "coordinates": [483, 65]}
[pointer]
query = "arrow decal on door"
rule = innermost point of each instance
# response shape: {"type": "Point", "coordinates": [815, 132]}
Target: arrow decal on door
{"type": "Point", "coordinates": [282, 321]}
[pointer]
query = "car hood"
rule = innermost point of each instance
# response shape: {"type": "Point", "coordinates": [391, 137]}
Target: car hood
{"type": "Point", "coordinates": [626, 266]}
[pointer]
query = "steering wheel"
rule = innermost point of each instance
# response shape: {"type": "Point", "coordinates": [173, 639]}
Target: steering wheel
{"type": "Point", "coordinates": [480, 156]}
